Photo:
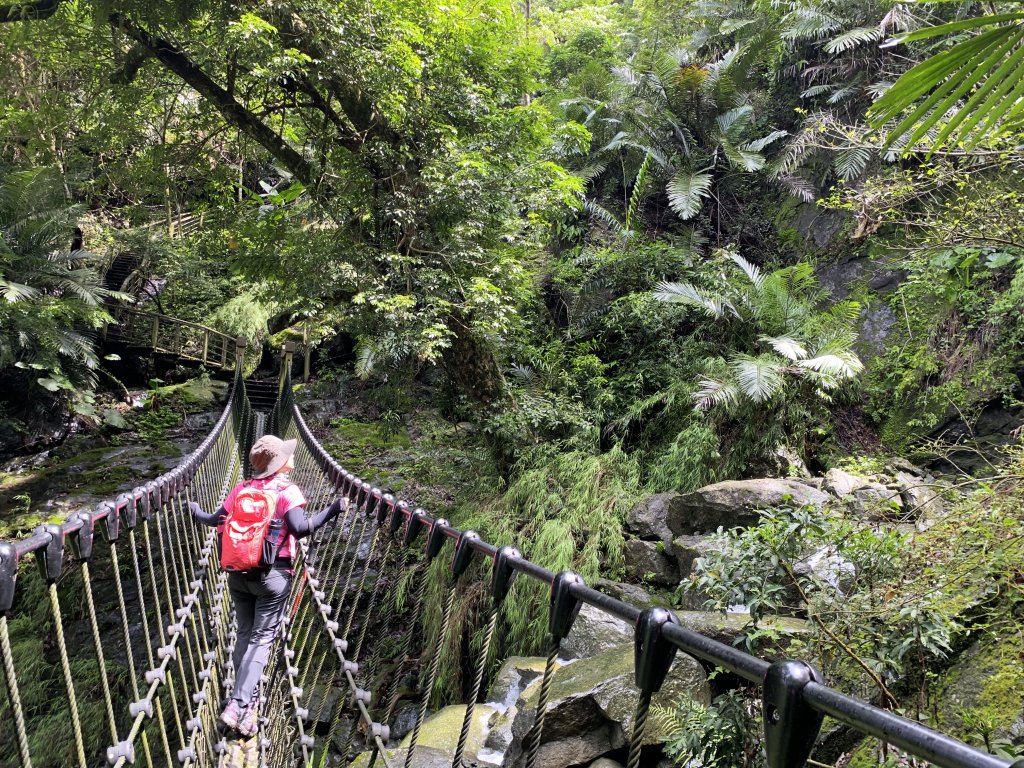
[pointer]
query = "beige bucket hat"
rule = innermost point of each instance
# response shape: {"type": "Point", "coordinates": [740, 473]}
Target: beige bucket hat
{"type": "Point", "coordinates": [269, 454]}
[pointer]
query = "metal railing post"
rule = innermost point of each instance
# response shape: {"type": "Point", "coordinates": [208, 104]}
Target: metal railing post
{"type": "Point", "coordinates": [240, 345]}
{"type": "Point", "coordinates": [287, 354]}
{"type": "Point", "coordinates": [305, 353]}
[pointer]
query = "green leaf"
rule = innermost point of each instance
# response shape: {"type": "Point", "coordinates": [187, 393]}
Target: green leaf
{"type": "Point", "coordinates": [686, 191]}
{"type": "Point", "coordinates": [958, 26]}
{"type": "Point", "coordinates": [113, 418]}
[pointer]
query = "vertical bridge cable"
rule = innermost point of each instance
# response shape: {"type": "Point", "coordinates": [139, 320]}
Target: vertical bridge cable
{"type": "Point", "coordinates": [563, 608]}
{"type": "Point", "coordinates": [435, 541]}
{"type": "Point", "coordinates": [11, 678]}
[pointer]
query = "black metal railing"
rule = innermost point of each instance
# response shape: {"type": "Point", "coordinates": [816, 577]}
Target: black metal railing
{"type": "Point", "coordinates": [795, 699]}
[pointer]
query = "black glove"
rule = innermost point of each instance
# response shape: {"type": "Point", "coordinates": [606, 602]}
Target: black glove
{"type": "Point", "coordinates": [335, 509]}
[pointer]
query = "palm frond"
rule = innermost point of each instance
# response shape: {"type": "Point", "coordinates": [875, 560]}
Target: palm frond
{"type": "Point", "coordinates": [852, 38]}
{"type": "Point", "coordinates": [715, 392]}
{"type": "Point", "coordinates": [686, 293]}
{"type": "Point", "coordinates": [686, 191]}
{"type": "Point", "coordinates": [751, 270]}
{"type": "Point", "coordinates": [991, 63]}
{"type": "Point", "coordinates": [758, 378]}
{"type": "Point", "coordinates": [787, 346]}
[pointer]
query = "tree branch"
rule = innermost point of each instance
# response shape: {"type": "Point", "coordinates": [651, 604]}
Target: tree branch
{"type": "Point", "coordinates": [233, 112]}
{"type": "Point", "coordinates": [133, 61]}
{"type": "Point", "coordinates": [41, 9]}
{"type": "Point", "coordinates": [360, 110]}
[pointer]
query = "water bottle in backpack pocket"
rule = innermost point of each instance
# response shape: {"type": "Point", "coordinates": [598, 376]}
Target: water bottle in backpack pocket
{"type": "Point", "coordinates": [272, 541]}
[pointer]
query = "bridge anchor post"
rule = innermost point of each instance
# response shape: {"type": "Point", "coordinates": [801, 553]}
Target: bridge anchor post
{"type": "Point", "coordinates": [790, 724]}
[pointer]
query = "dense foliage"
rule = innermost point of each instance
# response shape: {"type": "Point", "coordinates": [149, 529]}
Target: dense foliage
{"type": "Point", "coordinates": [636, 247]}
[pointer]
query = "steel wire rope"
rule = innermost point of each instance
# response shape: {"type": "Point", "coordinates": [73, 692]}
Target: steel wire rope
{"type": "Point", "coordinates": [435, 662]}
{"type": "Point", "coordinates": [636, 741]}
{"type": "Point", "coordinates": [161, 549]}
{"type": "Point", "coordinates": [533, 736]}
{"type": "Point", "coordinates": [481, 667]}
{"type": "Point", "coordinates": [13, 695]}
{"type": "Point", "coordinates": [123, 613]}
{"type": "Point", "coordinates": [98, 643]}
{"type": "Point", "coordinates": [69, 683]}
{"type": "Point", "coordinates": [341, 706]}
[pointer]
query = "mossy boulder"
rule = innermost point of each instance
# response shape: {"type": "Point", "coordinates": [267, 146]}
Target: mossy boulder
{"type": "Point", "coordinates": [438, 738]}
{"type": "Point", "coordinates": [590, 709]}
{"type": "Point", "coordinates": [736, 503]}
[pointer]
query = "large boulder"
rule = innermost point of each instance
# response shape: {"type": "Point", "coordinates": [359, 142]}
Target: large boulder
{"type": "Point", "coordinates": [841, 484]}
{"type": "Point", "coordinates": [922, 497]}
{"type": "Point", "coordinates": [874, 501]}
{"type": "Point", "coordinates": [438, 738]}
{"type": "Point", "coordinates": [514, 676]}
{"type": "Point", "coordinates": [648, 562]}
{"type": "Point", "coordinates": [729, 627]}
{"type": "Point", "coordinates": [687, 549]}
{"type": "Point", "coordinates": [735, 503]}
{"type": "Point", "coordinates": [594, 632]}
{"type": "Point", "coordinates": [630, 593]}
{"type": "Point", "coordinates": [590, 709]}
{"type": "Point", "coordinates": [647, 520]}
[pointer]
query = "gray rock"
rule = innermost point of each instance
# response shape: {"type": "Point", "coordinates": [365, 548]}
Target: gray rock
{"type": "Point", "coordinates": [648, 562]}
{"type": "Point", "coordinates": [790, 464]}
{"type": "Point", "coordinates": [874, 501]}
{"type": "Point", "coordinates": [841, 483]}
{"type": "Point", "coordinates": [438, 738]}
{"type": "Point", "coordinates": [735, 503]}
{"type": "Point", "coordinates": [591, 708]}
{"type": "Point", "coordinates": [728, 627]}
{"type": "Point", "coordinates": [687, 549]}
{"type": "Point", "coordinates": [647, 520]}
{"type": "Point", "coordinates": [321, 700]}
{"type": "Point", "coordinates": [605, 762]}
{"type": "Point", "coordinates": [898, 464]}
{"type": "Point", "coordinates": [594, 632]}
{"type": "Point", "coordinates": [829, 567]}
{"type": "Point", "coordinates": [627, 593]}
{"type": "Point", "coordinates": [921, 495]}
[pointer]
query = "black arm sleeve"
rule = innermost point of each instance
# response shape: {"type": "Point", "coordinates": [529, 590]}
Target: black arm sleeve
{"type": "Point", "coordinates": [211, 519]}
{"type": "Point", "coordinates": [301, 526]}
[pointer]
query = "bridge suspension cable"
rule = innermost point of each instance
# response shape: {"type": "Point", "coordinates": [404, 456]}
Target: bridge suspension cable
{"type": "Point", "coordinates": [147, 662]}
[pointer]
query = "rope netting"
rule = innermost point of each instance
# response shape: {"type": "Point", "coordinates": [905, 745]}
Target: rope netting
{"type": "Point", "coordinates": [119, 652]}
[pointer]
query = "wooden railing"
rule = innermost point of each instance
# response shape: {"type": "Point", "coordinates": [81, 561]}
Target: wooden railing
{"type": "Point", "coordinates": [169, 335]}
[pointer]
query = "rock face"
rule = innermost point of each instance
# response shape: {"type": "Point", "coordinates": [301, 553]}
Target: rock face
{"type": "Point", "coordinates": [735, 503]}
{"type": "Point", "coordinates": [648, 562]}
{"type": "Point", "coordinates": [647, 520]}
{"type": "Point", "coordinates": [590, 709]}
{"type": "Point", "coordinates": [687, 549]}
{"type": "Point", "coordinates": [592, 633]}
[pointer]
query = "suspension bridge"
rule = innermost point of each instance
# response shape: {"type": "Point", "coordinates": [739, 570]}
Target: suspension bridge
{"type": "Point", "coordinates": [131, 592]}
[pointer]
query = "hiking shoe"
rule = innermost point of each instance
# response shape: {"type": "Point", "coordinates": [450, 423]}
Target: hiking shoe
{"type": "Point", "coordinates": [231, 714]}
{"type": "Point", "coordinates": [250, 719]}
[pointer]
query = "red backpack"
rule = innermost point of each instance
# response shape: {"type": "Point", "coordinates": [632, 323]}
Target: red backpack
{"type": "Point", "coordinates": [245, 528]}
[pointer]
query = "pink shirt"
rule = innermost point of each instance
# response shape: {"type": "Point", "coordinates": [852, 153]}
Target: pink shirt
{"type": "Point", "coordinates": [288, 497]}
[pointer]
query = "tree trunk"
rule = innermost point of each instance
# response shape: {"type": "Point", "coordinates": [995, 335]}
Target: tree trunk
{"type": "Point", "coordinates": [471, 364]}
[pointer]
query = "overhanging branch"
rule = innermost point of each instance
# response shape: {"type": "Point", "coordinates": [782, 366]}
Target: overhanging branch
{"type": "Point", "coordinates": [41, 9]}
{"type": "Point", "coordinates": [231, 110]}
